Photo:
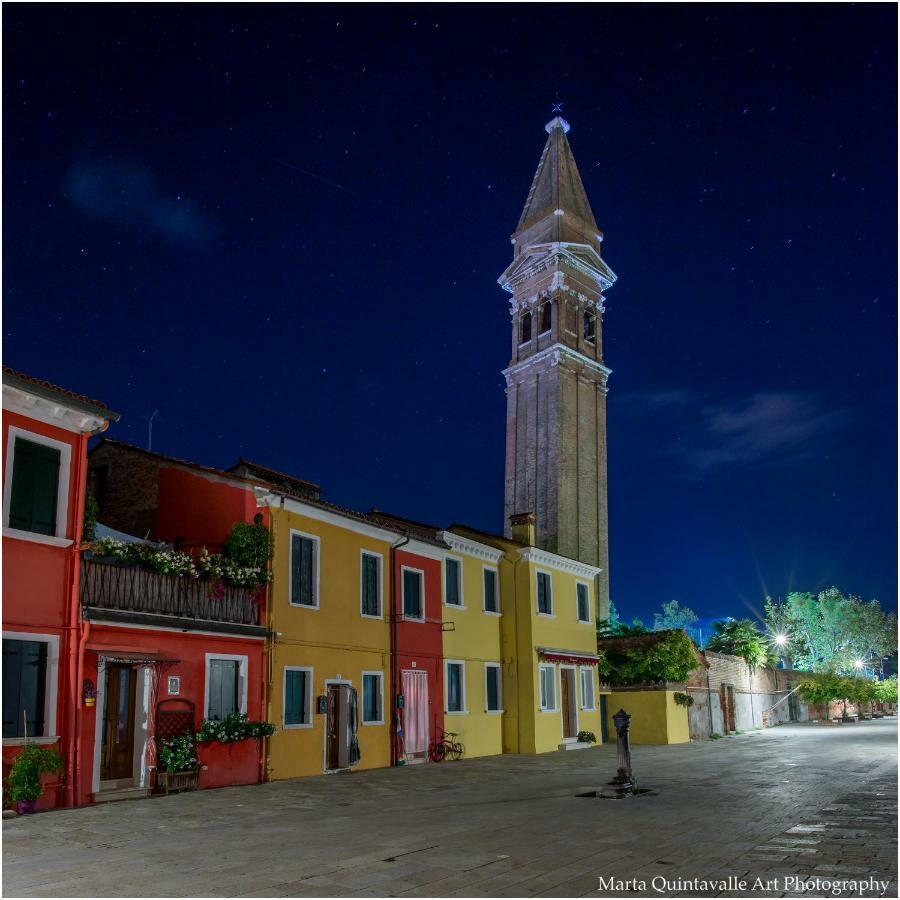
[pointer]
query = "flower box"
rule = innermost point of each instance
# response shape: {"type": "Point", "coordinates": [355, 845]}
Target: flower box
{"type": "Point", "coordinates": [178, 781]}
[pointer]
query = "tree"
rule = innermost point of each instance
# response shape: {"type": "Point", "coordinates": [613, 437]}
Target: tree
{"type": "Point", "coordinates": [740, 637]}
{"type": "Point", "coordinates": [674, 615]}
{"type": "Point", "coordinates": [886, 691]}
{"type": "Point", "coordinates": [613, 615]}
{"type": "Point", "coordinates": [620, 629]}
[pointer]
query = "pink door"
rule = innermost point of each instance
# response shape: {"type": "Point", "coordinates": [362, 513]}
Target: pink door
{"type": "Point", "coordinates": [415, 711]}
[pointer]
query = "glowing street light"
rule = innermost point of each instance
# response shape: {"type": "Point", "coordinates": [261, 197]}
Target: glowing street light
{"type": "Point", "coordinates": [858, 664]}
{"type": "Point", "coordinates": [781, 639]}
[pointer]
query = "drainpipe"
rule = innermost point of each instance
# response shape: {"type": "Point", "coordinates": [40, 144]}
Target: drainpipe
{"type": "Point", "coordinates": [709, 704]}
{"type": "Point", "coordinates": [269, 655]}
{"type": "Point", "coordinates": [395, 675]}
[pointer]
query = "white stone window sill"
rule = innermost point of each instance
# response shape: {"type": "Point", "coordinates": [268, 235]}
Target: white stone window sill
{"type": "Point", "coordinates": [304, 605]}
{"type": "Point", "coordinates": [381, 722]}
{"type": "Point", "coordinates": [297, 727]}
{"type": "Point", "coordinates": [458, 712]}
{"type": "Point", "coordinates": [454, 605]}
{"type": "Point", "coordinates": [47, 539]}
{"type": "Point", "coordinates": [21, 742]}
{"type": "Point", "coordinates": [419, 619]}
{"type": "Point", "coordinates": [370, 616]}
{"type": "Point", "coordinates": [490, 612]}
{"type": "Point", "coordinates": [494, 712]}
{"type": "Point", "coordinates": [547, 615]}
{"type": "Point", "coordinates": [550, 710]}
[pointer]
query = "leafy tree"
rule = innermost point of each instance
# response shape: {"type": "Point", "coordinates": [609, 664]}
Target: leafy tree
{"type": "Point", "coordinates": [886, 691]}
{"type": "Point", "coordinates": [606, 629]}
{"type": "Point", "coordinates": [740, 637]}
{"type": "Point", "coordinates": [670, 658]}
{"type": "Point", "coordinates": [674, 615]}
{"type": "Point", "coordinates": [613, 615]}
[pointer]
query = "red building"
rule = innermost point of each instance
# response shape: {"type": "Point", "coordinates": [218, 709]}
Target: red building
{"type": "Point", "coordinates": [45, 435]}
{"type": "Point", "coordinates": [416, 639]}
{"type": "Point", "coordinates": [166, 652]}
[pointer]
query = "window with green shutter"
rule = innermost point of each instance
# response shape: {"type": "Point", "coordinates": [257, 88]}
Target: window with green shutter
{"type": "Point", "coordinates": [370, 577]}
{"type": "Point", "coordinates": [452, 573]}
{"type": "Point", "coordinates": [297, 684]}
{"type": "Point", "coordinates": [544, 595]}
{"type": "Point", "coordinates": [304, 574]}
{"type": "Point", "coordinates": [224, 679]}
{"type": "Point", "coordinates": [491, 603]}
{"type": "Point", "coordinates": [35, 486]}
{"type": "Point", "coordinates": [584, 604]}
{"type": "Point", "coordinates": [492, 689]}
{"type": "Point", "coordinates": [413, 607]}
{"type": "Point", "coordinates": [24, 685]}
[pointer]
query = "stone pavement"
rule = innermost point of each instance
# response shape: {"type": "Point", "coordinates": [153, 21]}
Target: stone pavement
{"type": "Point", "coordinates": [797, 800]}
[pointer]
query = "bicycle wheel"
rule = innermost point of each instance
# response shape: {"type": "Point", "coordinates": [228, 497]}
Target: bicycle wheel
{"type": "Point", "coordinates": [456, 750]}
{"type": "Point", "coordinates": [437, 751]}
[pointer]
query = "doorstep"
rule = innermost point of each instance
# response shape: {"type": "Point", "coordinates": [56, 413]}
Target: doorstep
{"type": "Point", "coordinates": [575, 745]}
{"type": "Point", "coordinates": [127, 793]}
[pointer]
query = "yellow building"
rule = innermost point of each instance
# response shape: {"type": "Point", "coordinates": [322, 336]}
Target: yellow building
{"type": "Point", "coordinates": [472, 616]}
{"type": "Point", "coordinates": [548, 644]}
{"type": "Point", "coordinates": [328, 680]}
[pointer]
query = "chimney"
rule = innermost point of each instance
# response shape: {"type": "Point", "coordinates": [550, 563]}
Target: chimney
{"type": "Point", "coordinates": [522, 528]}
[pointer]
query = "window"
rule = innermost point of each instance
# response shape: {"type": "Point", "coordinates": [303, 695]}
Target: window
{"type": "Point", "coordinates": [373, 698]}
{"type": "Point", "coordinates": [544, 594]}
{"type": "Point", "coordinates": [34, 491]}
{"type": "Point", "coordinates": [590, 327]}
{"type": "Point", "coordinates": [548, 687]}
{"type": "Point", "coordinates": [455, 673]}
{"type": "Point", "coordinates": [493, 688]}
{"type": "Point", "coordinates": [584, 602]}
{"type": "Point", "coordinates": [525, 329]}
{"type": "Point", "coordinates": [298, 684]}
{"type": "Point", "coordinates": [24, 688]}
{"type": "Point", "coordinates": [587, 688]}
{"type": "Point", "coordinates": [546, 316]}
{"type": "Point", "coordinates": [491, 600]}
{"type": "Point", "coordinates": [453, 582]}
{"type": "Point", "coordinates": [370, 585]}
{"type": "Point", "coordinates": [304, 570]}
{"type": "Point", "coordinates": [226, 685]}
{"type": "Point", "coordinates": [413, 594]}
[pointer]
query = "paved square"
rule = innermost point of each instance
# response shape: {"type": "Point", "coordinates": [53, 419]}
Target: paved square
{"type": "Point", "coordinates": [799, 800]}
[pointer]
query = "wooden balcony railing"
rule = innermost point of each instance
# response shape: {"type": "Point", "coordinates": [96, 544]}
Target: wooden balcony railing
{"type": "Point", "coordinates": [132, 589]}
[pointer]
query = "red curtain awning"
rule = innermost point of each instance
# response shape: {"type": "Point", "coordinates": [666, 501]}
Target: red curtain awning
{"type": "Point", "coordinates": [568, 656]}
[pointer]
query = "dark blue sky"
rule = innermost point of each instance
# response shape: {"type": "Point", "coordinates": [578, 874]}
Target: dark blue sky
{"type": "Point", "coordinates": [282, 227]}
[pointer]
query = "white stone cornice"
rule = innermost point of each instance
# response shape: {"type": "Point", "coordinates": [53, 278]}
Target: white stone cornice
{"type": "Point", "coordinates": [560, 563]}
{"type": "Point", "coordinates": [539, 257]}
{"type": "Point", "coordinates": [554, 355]}
{"type": "Point", "coordinates": [471, 548]}
{"type": "Point", "coordinates": [51, 412]}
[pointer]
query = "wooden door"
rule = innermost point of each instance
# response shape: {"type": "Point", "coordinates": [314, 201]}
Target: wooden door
{"type": "Point", "coordinates": [118, 723]}
{"type": "Point", "coordinates": [342, 713]}
{"type": "Point", "coordinates": [567, 684]}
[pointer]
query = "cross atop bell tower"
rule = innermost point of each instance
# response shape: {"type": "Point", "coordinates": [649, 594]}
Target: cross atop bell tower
{"type": "Point", "coordinates": [556, 379]}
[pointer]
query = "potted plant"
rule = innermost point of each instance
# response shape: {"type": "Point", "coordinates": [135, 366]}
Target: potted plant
{"type": "Point", "coordinates": [24, 779]}
{"type": "Point", "coordinates": [179, 769]}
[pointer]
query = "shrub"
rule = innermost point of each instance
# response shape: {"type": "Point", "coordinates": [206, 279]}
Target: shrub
{"type": "Point", "coordinates": [683, 699]}
{"type": "Point", "coordinates": [249, 546]}
{"type": "Point", "coordinates": [24, 779]}
{"type": "Point", "coordinates": [587, 737]}
{"type": "Point", "coordinates": [178, 755]}
{"type": "Point", "coordinates": [671, 658]}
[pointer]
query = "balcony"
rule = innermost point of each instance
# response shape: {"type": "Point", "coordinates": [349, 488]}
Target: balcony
{"type": "Point", "coordinates": [136, 594]}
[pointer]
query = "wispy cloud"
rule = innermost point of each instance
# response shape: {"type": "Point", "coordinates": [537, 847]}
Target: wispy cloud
{"type": "Point", "coordinates": [128, 193]}
{"type": "Point", "coordinates": [765, 428]}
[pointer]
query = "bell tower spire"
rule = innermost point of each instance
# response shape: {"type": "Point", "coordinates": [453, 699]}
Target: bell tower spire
{"type": "Point", "coordinates": [556, 379]}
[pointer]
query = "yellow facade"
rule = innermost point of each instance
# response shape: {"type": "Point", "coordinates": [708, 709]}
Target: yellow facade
{"type": "Point", "coordinates": [472, 636]}
{"type": "Point", "coordinates": [655, 716]}
{"type": "Point", "coordinates": [534, 721]}
{"type": "Point", "coordinates": [332, 641]}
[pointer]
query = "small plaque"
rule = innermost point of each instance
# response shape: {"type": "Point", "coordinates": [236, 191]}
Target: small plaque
{"type": "Point", "coordinates": [174, 685]}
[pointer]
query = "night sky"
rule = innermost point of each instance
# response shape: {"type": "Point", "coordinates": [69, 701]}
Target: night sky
{"type": "Point", "coordinates": [281, 227]}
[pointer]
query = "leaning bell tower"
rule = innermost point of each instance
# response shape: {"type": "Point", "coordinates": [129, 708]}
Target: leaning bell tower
{"type": "Point", "coordinates": [556, 378]}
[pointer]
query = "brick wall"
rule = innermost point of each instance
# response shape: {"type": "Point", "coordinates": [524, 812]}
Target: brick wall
{"type": "Point", "coordinates": [125, 484]}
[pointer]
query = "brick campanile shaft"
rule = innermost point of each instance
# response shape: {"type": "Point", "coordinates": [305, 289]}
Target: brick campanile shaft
{"type": "Point", "coordinates": [556, 379]}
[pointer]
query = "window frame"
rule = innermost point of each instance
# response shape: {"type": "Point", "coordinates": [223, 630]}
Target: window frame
{"type": "Point", "coordinates": [58, 538]}
{"type": "Point", "coordinates": [496, 572]}
{"type": "Point", "coordinates": [317, 568]}
{"type": "Point", "coordinates": [589, 671]}
{"type": "Point", "coordinates": [537, 593]}
{"type": "Point", "coordinates": [464, 706]}
{"type": "Point", "coordinates": [421, 574]}
{"type": "Point", "coordinates": [592, 337]}
{"type": "Point", "coordinates": [309, 698]}
{"type": "Point", "coordinates": [242, 661]}
{"type": "Point", "coordinates": [586, 585]}
{"type": "Point", "coordinates": [551, 668]}
{"type": "Point", "coordinates": [375, 555]}
{"type": "Point", "coordinates": [379, 674]}
{"type": "Point", "coordinates": [51, 685]}
{"type": "Point", "coordinates": [540, 311]}
{"type": "Point", "coordinates": [500, 708]}
{"type": "Point", "coordinates": [522, 339]}
{"type": "Point", "coordinates": [459, 582]}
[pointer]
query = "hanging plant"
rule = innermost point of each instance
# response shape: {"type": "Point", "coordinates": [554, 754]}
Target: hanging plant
{"type": "Point", "coordinates": [683, 699]}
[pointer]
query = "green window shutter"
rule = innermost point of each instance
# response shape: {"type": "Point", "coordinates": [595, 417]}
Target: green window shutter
{"type": "Point", "coordinates": [35, 486]}
{"type": "Point", "coordinates": [303, 562]}
{"type": "Point", "coordinates": [583, 604]}
{"type": "Point", "coordinates": [295, 696]}
{"type": "Point", "coordinates": [493, 688]}
{"type": "Point", "coordinates": [370, 575]}
{"type": "Point", "coordinates": [490, 591]}
{"type": "Point", "coordinates": [412, 598]}
{"type": "Point", "coordinates": [451, 587]}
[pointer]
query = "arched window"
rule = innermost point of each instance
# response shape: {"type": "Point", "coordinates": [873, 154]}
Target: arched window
{"type": "Point", "coordinates": [546, 316]}
{"type": "Point", "coordinates": [525, 329]}
{"type": "Point", "coordinates": [590, 327]}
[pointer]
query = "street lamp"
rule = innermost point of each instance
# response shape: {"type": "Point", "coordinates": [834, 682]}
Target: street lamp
{"type": "Point", "coordinates": [858, 664]}
{"type": "Point", "coordinates": [781, 639]}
